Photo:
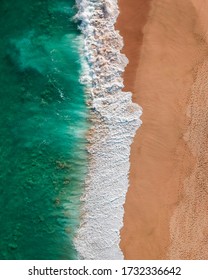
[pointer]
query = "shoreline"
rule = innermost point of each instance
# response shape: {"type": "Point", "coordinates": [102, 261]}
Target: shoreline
{"type": "Point", "coordinates": [162, 158]}
{"type": "Point", "coordinates": [110, 137]}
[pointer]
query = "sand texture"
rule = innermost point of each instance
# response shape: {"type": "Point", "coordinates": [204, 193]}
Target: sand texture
{"type": "Point", "coordinates": [166, 209]}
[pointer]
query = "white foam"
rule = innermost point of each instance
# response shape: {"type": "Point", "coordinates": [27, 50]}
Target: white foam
{"type": "Point", "coordinates": [114, 122]}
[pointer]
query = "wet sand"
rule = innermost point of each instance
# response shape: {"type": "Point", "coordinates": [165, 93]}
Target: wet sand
{"type": "Point", "coordinates": [167, 202]}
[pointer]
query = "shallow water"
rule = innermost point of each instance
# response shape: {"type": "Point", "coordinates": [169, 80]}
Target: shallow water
{"type": "Point", "coordinates": [43, 120]}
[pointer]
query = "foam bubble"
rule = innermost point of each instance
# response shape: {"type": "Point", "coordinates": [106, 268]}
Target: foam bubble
{"type": "Point", "coordinates": [114, 122]}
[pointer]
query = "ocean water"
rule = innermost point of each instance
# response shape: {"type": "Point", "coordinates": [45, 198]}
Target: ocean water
{"type": "Point", "coordinates": [43, 121]}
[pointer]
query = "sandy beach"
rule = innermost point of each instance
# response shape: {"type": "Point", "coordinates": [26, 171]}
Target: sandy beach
{"type": "Point", "coordinates": [167, 201]}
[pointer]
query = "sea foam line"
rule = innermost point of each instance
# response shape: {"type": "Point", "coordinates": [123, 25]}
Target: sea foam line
{"type": "Point", "coordinates": [114, 121]}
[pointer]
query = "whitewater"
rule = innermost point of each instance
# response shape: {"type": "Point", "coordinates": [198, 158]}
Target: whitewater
{"type": "Point", "coordinates": [114, 121]}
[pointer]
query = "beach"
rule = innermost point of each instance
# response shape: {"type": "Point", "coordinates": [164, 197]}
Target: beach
{"type": "Point", "coordinates": [166, 204]}
{"type": "Point", "coordinates": [104, 130]}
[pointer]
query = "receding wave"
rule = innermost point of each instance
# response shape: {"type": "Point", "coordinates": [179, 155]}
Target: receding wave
{"type": "Point", "coordinates": [114, 121]}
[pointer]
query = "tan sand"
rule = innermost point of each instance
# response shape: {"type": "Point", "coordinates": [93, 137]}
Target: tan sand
{"type": "Point", "coordinates": [166, 209]}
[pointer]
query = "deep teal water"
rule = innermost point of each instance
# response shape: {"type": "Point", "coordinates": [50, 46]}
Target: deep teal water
{"type": "Point", "coordinates": [43, 120]}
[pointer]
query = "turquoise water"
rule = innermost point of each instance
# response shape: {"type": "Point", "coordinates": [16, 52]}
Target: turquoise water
{"type": "Point", "coordinates": [43, 120]}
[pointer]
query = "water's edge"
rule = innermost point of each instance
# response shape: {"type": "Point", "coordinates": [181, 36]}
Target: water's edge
{"type": "Point", "coordinates": [114, 120]}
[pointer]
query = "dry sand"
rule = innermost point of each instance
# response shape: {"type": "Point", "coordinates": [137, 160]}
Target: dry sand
{"type": "Point", "coordinates": [166, 209]}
